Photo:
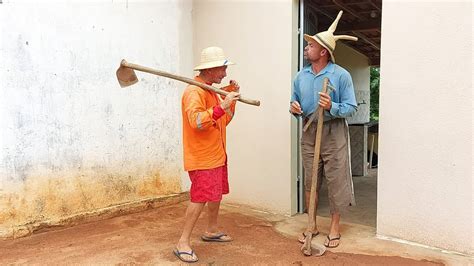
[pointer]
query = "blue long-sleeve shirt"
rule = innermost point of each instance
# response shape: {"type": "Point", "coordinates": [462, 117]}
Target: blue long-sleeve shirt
{"type": "Point", "coordinates": [307, 85]}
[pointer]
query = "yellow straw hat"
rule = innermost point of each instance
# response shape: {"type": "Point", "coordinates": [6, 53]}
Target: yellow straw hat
{"type": "Point", "coordinates": [327, 38]}
{"type": "Point", "coordinates": [213, 57]}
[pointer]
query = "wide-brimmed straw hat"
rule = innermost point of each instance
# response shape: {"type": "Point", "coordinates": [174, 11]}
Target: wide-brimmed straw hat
{"type": "Point", "coordinates": [213, 57]}
{"type": "Point", "coordinates": [327, 38]}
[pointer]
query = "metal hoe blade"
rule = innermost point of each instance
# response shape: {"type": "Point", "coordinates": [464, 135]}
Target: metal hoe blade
{"type": "Point", "coordinates": [310, 248]}
{"type": "Point", "coordinates": [126, 76]}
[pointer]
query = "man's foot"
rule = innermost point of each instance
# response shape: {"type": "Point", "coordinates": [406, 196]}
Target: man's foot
{"type": "Point", "coordinates": [216, 237]}
{"type": "Point", "coordinates": [186, 256]}
{"type": "Point", "coordinates": [184, 252]}
{"type": "Point", "coordinates": [332, 242]}
{"type": "Point", "coordinates": [302, 238]}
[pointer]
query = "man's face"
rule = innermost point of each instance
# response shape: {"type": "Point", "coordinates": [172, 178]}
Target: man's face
{"type": "Point", "coordinates": [217, 74]}
{"type": "Point", "coordinates": [314, 51]}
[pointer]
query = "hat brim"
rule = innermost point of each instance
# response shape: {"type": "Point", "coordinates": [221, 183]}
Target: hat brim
{"type": "Point", "coordinates": [310, 38]}
{"type": "Point", "coordinates": [213, 64]}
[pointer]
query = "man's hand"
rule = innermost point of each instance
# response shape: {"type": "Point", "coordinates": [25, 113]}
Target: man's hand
{"type": "Point", "coordinates": [235, 86]}
{"type": "Point", "coordinates": [325, 101]}
{"type": "Point", "coordinates": [295, 108]}
{"type": "Point", "coordinates": [229, 99]}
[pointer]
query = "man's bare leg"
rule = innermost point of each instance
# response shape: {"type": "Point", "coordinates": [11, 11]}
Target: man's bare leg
{"type": "Point", "coordinates": [192, 214]}
{"type": "Point", "coordinates": [213, 212]}
{"type": "Point", "coordinates": [334, 231]}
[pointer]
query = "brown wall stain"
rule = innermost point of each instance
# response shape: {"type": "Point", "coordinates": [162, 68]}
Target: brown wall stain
{"type": "Point", "coordinates": [155, 184]}
{"type": "Point", "coordinates": [46, 198]}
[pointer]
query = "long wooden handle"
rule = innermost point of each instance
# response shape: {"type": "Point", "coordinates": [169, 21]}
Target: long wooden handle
{"type": "Point", "coordinates": [317, 152]}
{"type": "Point", "coordinates": [186, 80]}
{"type": "Point", "coordinates": [306, 248]}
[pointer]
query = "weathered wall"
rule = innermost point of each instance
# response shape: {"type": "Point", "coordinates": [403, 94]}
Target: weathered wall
{"type": "Point", "coordinates": [260, 37]}
{"type": "Point", "coordinates": [425, 152]}
{"type": "Point", "coordinates": [72, 140]}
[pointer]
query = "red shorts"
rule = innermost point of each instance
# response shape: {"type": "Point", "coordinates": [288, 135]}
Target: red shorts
{"type": "Point", "coordinates": [209, 184]}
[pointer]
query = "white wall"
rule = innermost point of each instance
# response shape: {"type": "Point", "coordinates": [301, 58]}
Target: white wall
{"type": "Point", "coordinates": [358, 65]}
{"type": "Point", "coordinates": [260, 38]}
{"type": "Point", "coordinates": [72, 140]}
{"type": "Point", "coordinates": [425, 153]}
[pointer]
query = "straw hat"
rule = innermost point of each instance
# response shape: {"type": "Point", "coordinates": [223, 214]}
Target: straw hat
{"type": "Point", "coordinates": [212, 57]}
{"type": "Point", "coordinates": [327, 38]}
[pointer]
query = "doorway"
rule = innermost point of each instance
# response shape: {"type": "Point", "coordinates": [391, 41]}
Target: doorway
{"type": "Point", "coordinates": [361, 59]}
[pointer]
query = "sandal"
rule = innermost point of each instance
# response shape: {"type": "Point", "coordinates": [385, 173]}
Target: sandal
{"type": "Point", "coordinates": [304, 237]}
{"type": "Point", "coordinates": [180, 254]}
{"type": "Point", "coordinates": [220, 237]}
{"type": "Point", "coordinates": [332, 239]}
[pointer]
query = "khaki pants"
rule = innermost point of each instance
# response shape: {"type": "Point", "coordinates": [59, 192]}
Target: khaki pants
{"type": "Point", "coordinates": [334, 163]}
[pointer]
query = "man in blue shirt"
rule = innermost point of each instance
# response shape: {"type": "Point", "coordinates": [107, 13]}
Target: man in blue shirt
{"type": "Point", "coordinates": [334, 161]}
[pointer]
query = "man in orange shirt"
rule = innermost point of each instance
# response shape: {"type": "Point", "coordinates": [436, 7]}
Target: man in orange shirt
{"type": "Point", "coordinates": [205, 117]}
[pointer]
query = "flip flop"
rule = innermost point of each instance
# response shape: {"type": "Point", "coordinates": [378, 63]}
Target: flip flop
{"type": "Point", "coordinates": [179, 254]}
{"type": "Point", "coordinates": [304, 236]}
{"type": "Point", "coordinates": [215, 238]}
{"type": "Point", "coordinates": [332, 239]}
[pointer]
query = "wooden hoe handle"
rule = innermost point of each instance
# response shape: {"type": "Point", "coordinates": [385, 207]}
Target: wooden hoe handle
{"type": "Point", "coordinates": [186, 80]}
{"type": "Point", "coordinates": [314, 182]}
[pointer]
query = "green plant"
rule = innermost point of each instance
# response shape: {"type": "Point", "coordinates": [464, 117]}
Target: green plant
{"type": "Point", "coordinates": [374, 93]}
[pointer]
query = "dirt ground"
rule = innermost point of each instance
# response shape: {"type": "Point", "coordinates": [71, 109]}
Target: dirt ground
{"type": "Point", "coordinates": [149, 237]}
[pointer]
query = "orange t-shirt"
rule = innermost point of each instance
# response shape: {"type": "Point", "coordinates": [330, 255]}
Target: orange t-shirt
{"type": "Point", "coordinates": [204, 138]}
